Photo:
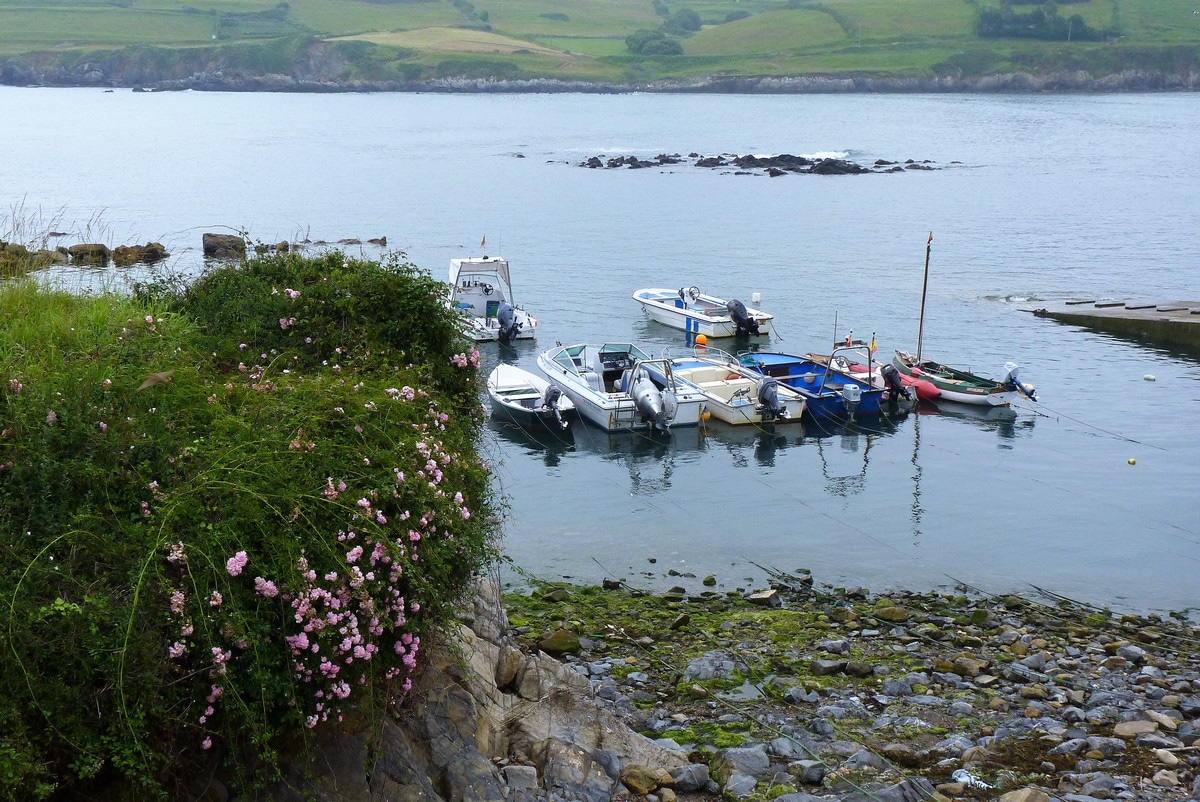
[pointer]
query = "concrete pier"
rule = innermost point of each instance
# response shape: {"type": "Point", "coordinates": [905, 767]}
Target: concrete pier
{"type": "Point", "coordinates": [1159, 322]}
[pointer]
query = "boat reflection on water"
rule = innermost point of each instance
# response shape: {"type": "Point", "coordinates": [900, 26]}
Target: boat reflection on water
{"type": "Point", "coordinates": [548, 444]}
{"type": "Point", "coordinates": [1006, 421]}
{"type": "Point", "coordinates": [650, 458]}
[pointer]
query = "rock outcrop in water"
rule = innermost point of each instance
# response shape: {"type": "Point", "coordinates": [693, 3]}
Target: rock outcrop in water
{"type": "Point", "coordinates": [774, 166]}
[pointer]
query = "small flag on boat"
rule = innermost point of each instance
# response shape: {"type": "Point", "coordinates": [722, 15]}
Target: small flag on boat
{"type": "Point", "coordinates": [483, 241]}
{"type": "Point", "coordinates": [874, 347]}
{"type": "Point", "coordinates": [930, 238]}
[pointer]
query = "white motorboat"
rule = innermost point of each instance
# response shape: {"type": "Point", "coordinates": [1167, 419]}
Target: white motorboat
{"type": "Point", "coordinates": [734, 393]}
{"type": "Point", "coordinates": [617, 386]}
{"type": "Point", "coordinates": [527, 399]}
{"type": "Point", "coordinates": [481, 291]}
{"type": "Point", "coordinates": [692, 311]}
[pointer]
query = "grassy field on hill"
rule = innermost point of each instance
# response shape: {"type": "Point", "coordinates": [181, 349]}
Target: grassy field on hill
{"type": "Point", "coordinates": [587, 39]}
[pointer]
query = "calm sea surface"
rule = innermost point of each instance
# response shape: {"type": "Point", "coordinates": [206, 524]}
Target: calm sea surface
{"type": "Point", "coordinates": [1036, 199]}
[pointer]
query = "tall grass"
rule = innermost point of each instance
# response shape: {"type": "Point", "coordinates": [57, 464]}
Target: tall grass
{"type": "Point", "coordinates": [230, 515]}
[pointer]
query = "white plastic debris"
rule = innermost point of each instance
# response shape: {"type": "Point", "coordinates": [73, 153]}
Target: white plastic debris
{"type": "Point", "coordinates": [966, 778]}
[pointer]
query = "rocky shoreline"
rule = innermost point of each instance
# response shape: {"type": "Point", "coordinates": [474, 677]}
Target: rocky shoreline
{"type": "Point", "coordinates": [843, 695]}
{"type": "Point", "coordinates": [793, 692]}
{"type": "Point", "coordinates": [323, 73]}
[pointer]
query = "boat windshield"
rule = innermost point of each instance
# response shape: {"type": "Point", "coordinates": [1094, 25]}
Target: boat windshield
{"type": "Point", "coordinates": [625, 349]}
{"type": "Point", "coordinates": [480, 269]}
{"type": "Point", "coordinates": [571, 358]}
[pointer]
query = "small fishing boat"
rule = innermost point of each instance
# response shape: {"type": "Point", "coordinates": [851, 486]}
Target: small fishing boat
{"type": "Point", "coordinates": [481, 292]}
{"type": "Point", "coordinates": [830, 392]}
{"type": "Point", "coordinates": [955, 384]}
{"type": "Point", "coordinates": [617, 386]}
{"type": "Point", "coordinates": [734, 393]}
{"type": "Point", "coordinates": [692, 311]}
{"type": "Point", "coordinates": [964, 387]}
{"type": "Point", "coordinates": [527, 399]}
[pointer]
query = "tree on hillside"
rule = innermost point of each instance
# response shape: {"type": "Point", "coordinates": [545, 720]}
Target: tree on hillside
{"type": "Point", "coordinates": [682, 23]}
{"type": "Point", "coordinates": [652, 43]}
{"type": "Point", "coordinates": [1041, 23]}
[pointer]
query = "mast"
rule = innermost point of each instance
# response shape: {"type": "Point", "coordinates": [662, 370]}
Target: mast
{"type": "Point", "coordinates": [924, 285]}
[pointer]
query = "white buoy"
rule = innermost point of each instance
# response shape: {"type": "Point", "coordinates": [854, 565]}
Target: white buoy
{"type": "Point", "coordinates": [1149, 377]}
{"type": "Point", "coordinates": [756, 298]}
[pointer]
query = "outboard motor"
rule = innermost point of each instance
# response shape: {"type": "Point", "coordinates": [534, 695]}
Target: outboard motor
{"type": "Point", "coordinates": [770, 407]}
{"type": "Point", "coordinates": [1011, 381]}
{"type": "Point", "coordinates": [648, 401]}
{"type": "Point", "coordinates": [550, 401]}
{"type": "Point", "coordinates": [851, 397]}
{"type": "Point", "coordinates": [892, 383]}
{"type": "Point", "coordinates": [742, 320]}
{"type": "Point", "coordinates": [506, 316]}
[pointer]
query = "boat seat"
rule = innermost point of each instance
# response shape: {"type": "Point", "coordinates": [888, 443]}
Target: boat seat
{"type": "Point", "coordinates": [594, 380]}
{"type": "Point", "coordinates": [622, 384]}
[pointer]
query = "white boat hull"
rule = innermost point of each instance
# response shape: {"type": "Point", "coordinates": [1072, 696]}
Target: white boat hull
{"type": "Point", "coordinates": [600, 400]}
{"type": "Point", "coordinates": [525, 398]}
{"type": "Point", "coordinates": [980, 399]}
{"type": "Point", "coordinates": [704, 314]}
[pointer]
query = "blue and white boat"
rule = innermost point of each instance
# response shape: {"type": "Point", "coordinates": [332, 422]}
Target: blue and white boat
{"type": "Point", "coordinates": [831, 392]}
{"type": "Point", "coordinates": [617, 386]}
{"type": "Point", "coordinates": [692, 311]}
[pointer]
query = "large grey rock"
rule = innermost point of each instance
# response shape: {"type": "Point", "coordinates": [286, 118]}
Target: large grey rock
{"type": "Point", "coordinates": [90, 253]}
{"type": "Point", "coordinates": [223, 246]}
{"type": "Point", "coordinates": [691, 777]}
{"type": "Point", "coordinates": [443, 746]}
{"type": "Point", "coordinates": [750, 760]}
{"type": "Point", "coordinates": [568, 770]}
{"type": "Point", "coordinates": [914, 789]}
{"type": "Point", "coordinates": [713, 665]}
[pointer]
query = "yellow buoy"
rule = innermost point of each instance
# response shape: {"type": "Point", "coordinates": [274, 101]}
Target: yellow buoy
{"type": "Point", "coordinates": [1132, 461]}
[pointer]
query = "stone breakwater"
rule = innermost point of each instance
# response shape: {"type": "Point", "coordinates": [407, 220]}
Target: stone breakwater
{"type": "Point", "coordinates": [792, 693]}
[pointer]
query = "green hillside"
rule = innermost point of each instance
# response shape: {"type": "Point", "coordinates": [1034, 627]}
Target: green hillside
{"type": "Point", "coordinates": [590, 39]}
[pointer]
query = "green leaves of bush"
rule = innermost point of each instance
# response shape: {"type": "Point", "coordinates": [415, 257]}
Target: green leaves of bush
{"type": "Point", "coordinates": [230, 516]}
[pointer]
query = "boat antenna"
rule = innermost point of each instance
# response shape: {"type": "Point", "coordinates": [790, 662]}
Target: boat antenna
{"type": "Point", "coordinates": [924, 285]}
